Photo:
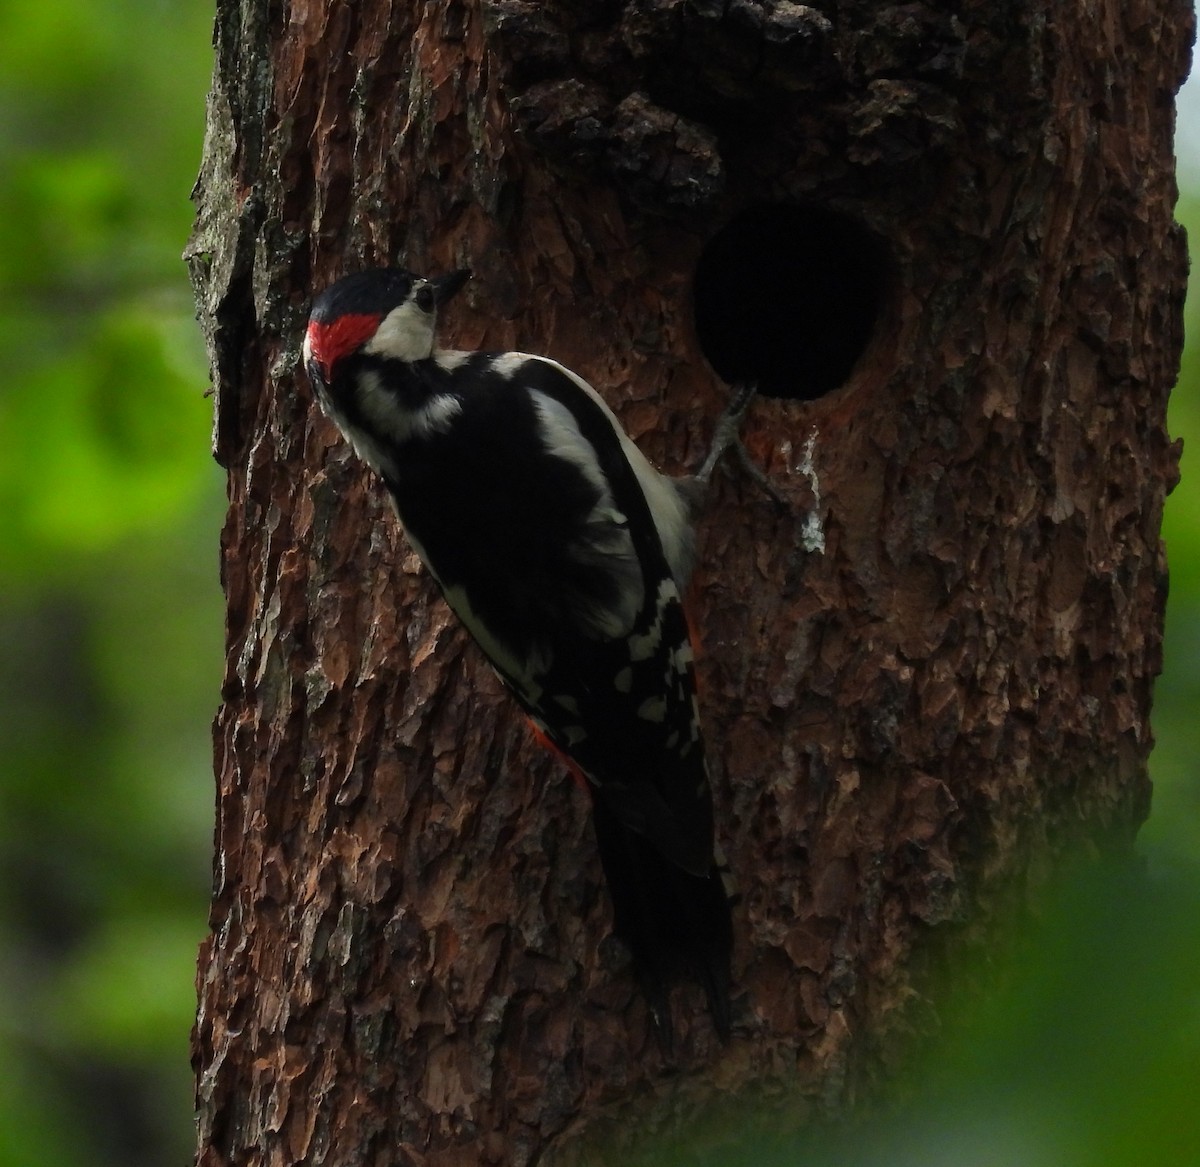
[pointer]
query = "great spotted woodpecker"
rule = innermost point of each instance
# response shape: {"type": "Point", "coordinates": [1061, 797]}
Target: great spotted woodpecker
{"type": "Point", "coordinates": [564, 552]}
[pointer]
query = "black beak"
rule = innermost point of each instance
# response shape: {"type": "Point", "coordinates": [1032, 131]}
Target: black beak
{"type": "Point", "coordinates": [444, 287]}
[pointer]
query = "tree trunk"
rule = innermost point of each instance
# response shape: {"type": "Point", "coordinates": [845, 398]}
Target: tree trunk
{"type": "Point", "coordinates": [944, 245]}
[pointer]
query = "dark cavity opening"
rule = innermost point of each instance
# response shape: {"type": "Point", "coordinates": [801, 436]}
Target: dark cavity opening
{"type": "Point", "coordinates": [788, 297]}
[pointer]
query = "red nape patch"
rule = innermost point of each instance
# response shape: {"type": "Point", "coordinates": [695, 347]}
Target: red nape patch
{"type": "Point", "coordinates": [328, 343]}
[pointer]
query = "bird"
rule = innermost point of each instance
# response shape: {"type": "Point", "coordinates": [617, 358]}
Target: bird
{"type": "Point", "coordinates": [565, 554]}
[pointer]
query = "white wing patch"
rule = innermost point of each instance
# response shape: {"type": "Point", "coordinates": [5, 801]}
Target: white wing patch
{"type": "Point", "coordinates": [605, 543]}
{"type": "Point", "coordinates": [668, 509]}
{"type": "Point", "coordinates": [562, 439]}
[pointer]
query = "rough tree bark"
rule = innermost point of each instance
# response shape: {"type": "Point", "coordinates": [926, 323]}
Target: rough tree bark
{"type": "Point", "coordinates": [921, 686]}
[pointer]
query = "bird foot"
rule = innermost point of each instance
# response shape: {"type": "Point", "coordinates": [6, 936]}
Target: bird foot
{"type": "Point", "coordinates": [728, 436]}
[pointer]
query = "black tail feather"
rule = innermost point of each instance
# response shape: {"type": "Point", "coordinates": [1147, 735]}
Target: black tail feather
{"type": "Point", "coordinates": [676, 924]}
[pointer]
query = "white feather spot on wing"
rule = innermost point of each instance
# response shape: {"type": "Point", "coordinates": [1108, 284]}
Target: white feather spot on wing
{"type": "Point", "coordinates": [642, 646]}
{"type": "Point", "coordinates": [653, 709]}
{"type": "Point", "coordinates": [567, 702]}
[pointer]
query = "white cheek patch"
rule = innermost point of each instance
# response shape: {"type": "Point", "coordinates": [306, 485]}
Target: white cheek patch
{"type": "Point", "coordinates": [406, 334]}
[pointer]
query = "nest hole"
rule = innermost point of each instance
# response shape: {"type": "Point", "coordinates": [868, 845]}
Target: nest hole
{"type": "Point", "coordinates": [789, 297]}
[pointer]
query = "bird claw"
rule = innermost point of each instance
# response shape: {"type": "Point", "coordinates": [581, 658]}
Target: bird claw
{"type": "Point", "coordinates": [727, 435]}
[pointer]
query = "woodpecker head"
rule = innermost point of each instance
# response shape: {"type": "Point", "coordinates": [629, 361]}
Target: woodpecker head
{"type": "Point", "coordinates": [386, 312]}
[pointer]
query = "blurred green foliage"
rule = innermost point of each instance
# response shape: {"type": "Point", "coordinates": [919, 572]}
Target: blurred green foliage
{"type": "Point", "coordinates": [110, 609]}
{"type": "Point", "coordinates": [1175, 819]}
{"type": "Point", "coordinates": [110, 647]}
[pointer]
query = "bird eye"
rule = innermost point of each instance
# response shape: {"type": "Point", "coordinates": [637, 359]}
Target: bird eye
{"type": "Point", "coordinates": [424, 297]}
